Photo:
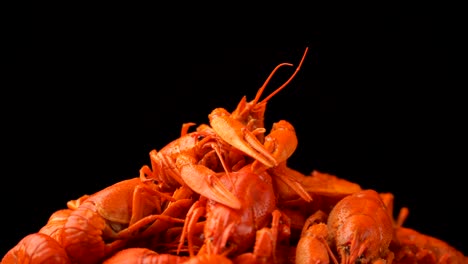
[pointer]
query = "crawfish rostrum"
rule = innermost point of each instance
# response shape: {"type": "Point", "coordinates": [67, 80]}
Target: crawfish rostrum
{"type": "Point", "coordinates": [224, 193]}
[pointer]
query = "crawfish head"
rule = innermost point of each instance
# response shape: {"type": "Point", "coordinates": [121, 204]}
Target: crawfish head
{"type": "Point", "coordinates": [360, 241]}
{"type": "Point", "coordinates": [235, 229]}
{"type": "Point", "coordinates": [361, 228]}
{"type": "Point", "coordinates": [188, 149]}
{"type": "Point", "coordinates": [230, 229]}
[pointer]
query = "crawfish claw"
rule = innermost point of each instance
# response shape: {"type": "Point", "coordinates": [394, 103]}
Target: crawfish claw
{"type": "Point", "coordinates": [235, 133]}
{"type": "Point", "coordinates": [204, 181]}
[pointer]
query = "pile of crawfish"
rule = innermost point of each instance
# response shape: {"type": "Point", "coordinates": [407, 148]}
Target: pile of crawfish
{"type": "Point", "coordinates": [225, 194]}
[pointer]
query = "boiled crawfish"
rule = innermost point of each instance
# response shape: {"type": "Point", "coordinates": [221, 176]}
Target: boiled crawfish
{"type": "Point", "coordinates": [326, 189]}
{"type": "Point", "coordinates": [188, 161]}
{"type": "Point", "coordinates": [244, 129]}
{"type": "Point", "coordinates": [234, 230]}
{"type": "Point", "coordinates": [227, 191]}
{"type": "Point", "coordinates": [411, 246]}
{"type": "Point", "coordinates": [359, 229]}
{"type": "Point", "coordinates": [102, 224]}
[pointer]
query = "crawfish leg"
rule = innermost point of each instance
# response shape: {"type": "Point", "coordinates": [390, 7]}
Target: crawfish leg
{"type": "Point", "coordinates": [194, 214]}
{"type": "Point", "coordinates": [146, 200]}
{"type": "Point", "coordinates": [169, 217]}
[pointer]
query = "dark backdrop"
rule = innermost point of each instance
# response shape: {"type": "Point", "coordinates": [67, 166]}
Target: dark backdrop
{"type": "Point", "coordinates": [374, 103]}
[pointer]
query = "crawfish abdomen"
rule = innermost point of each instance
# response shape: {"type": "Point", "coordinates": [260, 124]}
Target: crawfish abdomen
{"type": "Point", "coordinates": [36, 248]}
{"type": "Point", "coordinates": [82, 235]}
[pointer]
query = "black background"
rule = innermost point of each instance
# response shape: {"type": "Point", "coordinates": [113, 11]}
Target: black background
{"type": "Point", "coordinates": [376, 101]}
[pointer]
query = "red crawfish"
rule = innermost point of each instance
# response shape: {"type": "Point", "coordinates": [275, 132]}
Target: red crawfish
{"type": "Point", "coordinates": [234, 230]}
{"type": "Point", "coordinates": [361, 228]}
{"type": "Point", "coordinates": [412, 246]}
{"type": "Point", "coordinates": [326, 190]}
{"type": "Point", "coordinates": [102, 224]}
{"type": "Point", "coordinates": [188, 161]}
{"type": "Point", "coordinates": [244, 129]}
{"type": "Point", "coordinates": [358, 229]}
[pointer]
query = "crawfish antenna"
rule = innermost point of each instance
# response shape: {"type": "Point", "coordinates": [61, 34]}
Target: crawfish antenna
{"type": "Point", "coordinates": [284, 84]}
{"type": "Point", "coordinates": [260, 91]}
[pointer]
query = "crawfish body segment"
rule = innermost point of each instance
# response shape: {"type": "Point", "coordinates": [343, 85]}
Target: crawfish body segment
{"type": "Point", "coordinates": [82, 235]}
{"type": "Point", "coordinates": [37, 248]}
{"type": "Point", "coordinates": [54, 225]}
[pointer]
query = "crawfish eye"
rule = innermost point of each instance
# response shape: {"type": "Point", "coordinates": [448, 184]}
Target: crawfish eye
{"type": "Point", "coordinates": [347, 249]}
{"type": "Point", "coordinates": [200, 137]}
